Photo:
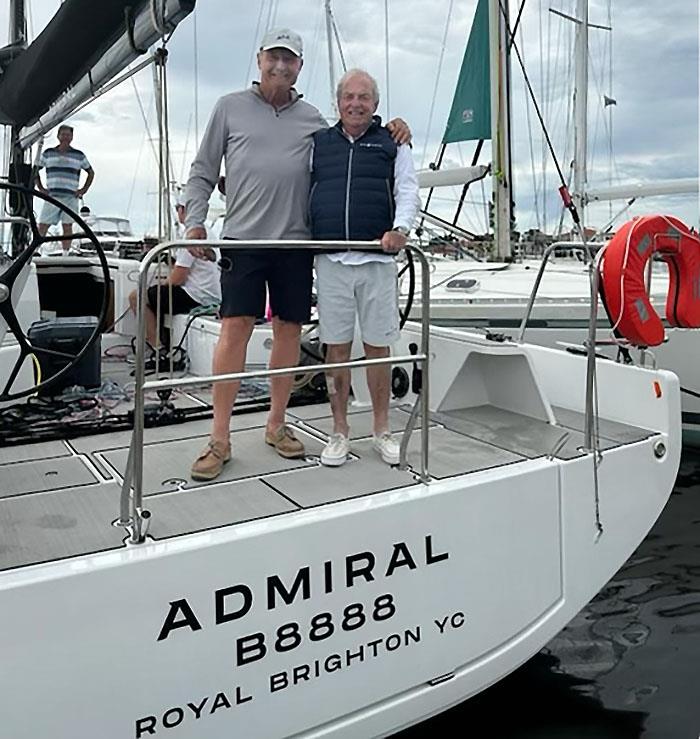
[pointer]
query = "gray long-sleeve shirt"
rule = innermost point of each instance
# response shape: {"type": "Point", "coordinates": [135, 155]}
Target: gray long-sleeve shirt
{"type": "Point", "coordinates": [266, 151]}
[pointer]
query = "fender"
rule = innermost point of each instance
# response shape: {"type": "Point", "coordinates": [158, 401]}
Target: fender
{"type": "Point", "coordinates": [622, 275]}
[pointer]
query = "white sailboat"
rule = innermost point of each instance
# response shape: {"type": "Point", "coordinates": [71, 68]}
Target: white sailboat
{"type": "Point", "coordinates": [290, 599]}
{"type": "Point", "coordinates": [492, 296]}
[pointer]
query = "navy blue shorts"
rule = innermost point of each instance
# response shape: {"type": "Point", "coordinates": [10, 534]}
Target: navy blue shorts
{"type": "Point", "coordinates": [182, 302]}
{"type": "Point", "coordinates": [287, 274]}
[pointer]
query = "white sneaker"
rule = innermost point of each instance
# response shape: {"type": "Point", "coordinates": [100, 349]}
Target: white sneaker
{"type": "Point", "coordinates": [386, 447]}
{"type": "Point", "coordinates": [336, 451]}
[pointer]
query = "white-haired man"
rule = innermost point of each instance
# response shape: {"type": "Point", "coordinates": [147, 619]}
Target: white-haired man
{"type": "Point", "coordinates": [363, 187]}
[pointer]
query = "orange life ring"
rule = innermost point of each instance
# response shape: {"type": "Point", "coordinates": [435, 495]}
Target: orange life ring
{"type": "Point", "coordinates": [622, 275]}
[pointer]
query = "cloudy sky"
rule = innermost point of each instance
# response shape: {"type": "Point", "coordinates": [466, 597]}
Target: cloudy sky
{"type": "Point", "coordinates": [649, 65]}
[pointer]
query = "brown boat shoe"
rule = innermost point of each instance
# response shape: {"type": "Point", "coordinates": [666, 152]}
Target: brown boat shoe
{"type": "Point", "coordinates": [211, 461]}
{"type": "Point", "coordinates": [286, 444]}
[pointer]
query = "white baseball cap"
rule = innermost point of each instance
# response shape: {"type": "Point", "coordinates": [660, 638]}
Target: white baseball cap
{"type": "Point", "coordinates": [282, 38]}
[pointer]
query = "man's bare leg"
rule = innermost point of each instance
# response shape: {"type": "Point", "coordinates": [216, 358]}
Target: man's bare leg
{"type": "Point", "coordinates": [229, 356]}
{"type": "Point", "coordinates": [67, 231]}
{"type": "Point", "coordinates": [379, 383]}
{"type": "Point", "coordinates": [339, 387]}
{"type": "Point", "coordinates": [150, 316]}
{"type": "Point", "coordinates": [285, 353]}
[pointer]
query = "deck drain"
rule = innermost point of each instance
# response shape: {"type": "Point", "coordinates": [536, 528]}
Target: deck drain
{"type": "Point", "coordinates": [177, 482]}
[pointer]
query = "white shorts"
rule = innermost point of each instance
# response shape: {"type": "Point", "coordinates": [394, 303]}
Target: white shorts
{"type": "Point", "coordinates": [52, 214]}
{"type": "Point", "coordinates": [368, 290]}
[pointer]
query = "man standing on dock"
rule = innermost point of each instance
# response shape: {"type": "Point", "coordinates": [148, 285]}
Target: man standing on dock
{"type": "Point", "coordinates": [264, 135]}
{"type": "Point", "coordinates": [63, 165]}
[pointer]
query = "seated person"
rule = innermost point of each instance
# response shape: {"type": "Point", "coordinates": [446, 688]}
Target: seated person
{"type": "Point", "coordinates": [193, 282]}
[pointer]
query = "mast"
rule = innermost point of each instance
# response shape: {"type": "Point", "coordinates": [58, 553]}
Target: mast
{"type": "Point", "coordinates": [581, 107]}
{"type": "Point", "coordinates": [18, 170]}
{"type": "Point", "coordinates": [18, 35]}
{"type": "Point", "coordinates": [331, 64]}
{"type": "Point", "coordinates": [500, 132]}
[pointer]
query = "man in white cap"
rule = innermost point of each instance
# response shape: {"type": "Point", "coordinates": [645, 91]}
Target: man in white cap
{"type": "Point", "coordinates": [264, 135]}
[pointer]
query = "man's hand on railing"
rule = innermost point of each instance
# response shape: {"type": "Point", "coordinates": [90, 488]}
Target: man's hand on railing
{"type": "Point", "coordinates": [393, 241]}
{"type": "Point", "coordinates": [198, 232]}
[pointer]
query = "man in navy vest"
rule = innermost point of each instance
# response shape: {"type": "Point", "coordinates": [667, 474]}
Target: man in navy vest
{"type": "Point", "coordinates": [363, 188]}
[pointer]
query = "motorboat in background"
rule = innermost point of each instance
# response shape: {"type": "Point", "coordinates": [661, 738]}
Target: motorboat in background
{"type": "Point", "coordinates": [117, 236]}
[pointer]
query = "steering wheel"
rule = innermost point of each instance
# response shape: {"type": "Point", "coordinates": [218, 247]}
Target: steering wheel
{"type": "Point", "coordinates": [7, 282]}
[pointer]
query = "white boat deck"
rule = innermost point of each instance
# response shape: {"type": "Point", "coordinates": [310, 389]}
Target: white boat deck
{"type": "Point", "coordinates": [58, 498]}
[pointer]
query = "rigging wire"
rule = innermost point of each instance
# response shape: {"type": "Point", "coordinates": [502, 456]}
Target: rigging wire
{"type": "Point", "coordinates": [270, 15]}
{"type": "Point", "coordinates": [136, 171]}
{"type": "Point", "coordinates": [535, 104]}
{"type": "Point", "coordinates": [183, 164]}
{"type": "Point", "coordinates": [145, 120]}
{"type": "Point", "coordinates": [605, 120]}
{"type": "Point", "coordinates": [256, 41]}
{"type": "Point", "coordinates": [437, 82]}
{"type": "Point", "coordinates": [543, 152]}
{"type": "Point", "coordinates": [339, 44]}
{"type": "Point", "coordinates": [274, 14]}
{"type": "Point", "coordinates": [611, 157]}
{"type": "Point", "coordinates": [386, 57]}
{"type": "Point", "coordinates": [196, 80]}
{"type": "Point", "coordinates": [312, 62]}
{"type": "Point", "coordinates": [532, 153]}
{"type": "Point", "coordinates": [558, 106]}
{"type": "Point", "coordinates": [569, 118]}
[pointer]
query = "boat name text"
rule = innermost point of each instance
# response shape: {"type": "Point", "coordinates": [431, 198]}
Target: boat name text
{"type": "Point", "coordinates": [235, 602]}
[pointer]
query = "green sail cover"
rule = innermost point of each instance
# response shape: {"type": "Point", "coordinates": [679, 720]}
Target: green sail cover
{"type": "Point", "coordinates": [470, 117]}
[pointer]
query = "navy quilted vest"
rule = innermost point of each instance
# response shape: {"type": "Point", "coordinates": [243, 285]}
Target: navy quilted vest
{"type": "Point", "coordinates": [352, 185]}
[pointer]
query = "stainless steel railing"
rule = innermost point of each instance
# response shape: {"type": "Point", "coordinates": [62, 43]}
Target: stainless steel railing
{"type": "Point", "coordinates": [131, 513]}
{"type": "Point", "coordinates": [590, 343]}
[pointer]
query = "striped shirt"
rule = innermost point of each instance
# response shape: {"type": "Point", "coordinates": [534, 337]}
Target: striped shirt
{"type": "Point", "coordinates": [63, 169]}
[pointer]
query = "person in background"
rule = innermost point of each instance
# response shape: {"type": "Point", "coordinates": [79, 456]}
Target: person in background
{"type": "Point", "coordinates": [63, 166]}
{"type": "Point", "coordinates": [193, 282]}
{"type": "Point", "coordinates": [363, 188]}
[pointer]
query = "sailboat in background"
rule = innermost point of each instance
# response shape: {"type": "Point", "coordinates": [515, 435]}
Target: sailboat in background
{"type": "Point", "coordinates": [493, 295]}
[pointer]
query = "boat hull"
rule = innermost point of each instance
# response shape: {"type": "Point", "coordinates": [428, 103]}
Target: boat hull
{"type": "Point", "coordinates": [350, 620]}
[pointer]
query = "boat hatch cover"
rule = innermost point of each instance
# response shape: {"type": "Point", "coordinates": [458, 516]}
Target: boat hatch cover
{"type": "Point", "coordinates": [464, 285]}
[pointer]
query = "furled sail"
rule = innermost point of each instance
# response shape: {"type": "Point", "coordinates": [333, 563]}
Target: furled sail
{"type": "Point", "coordinates": [85, 45]}
{"type": "Point", "coordinates": [470, 115]}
